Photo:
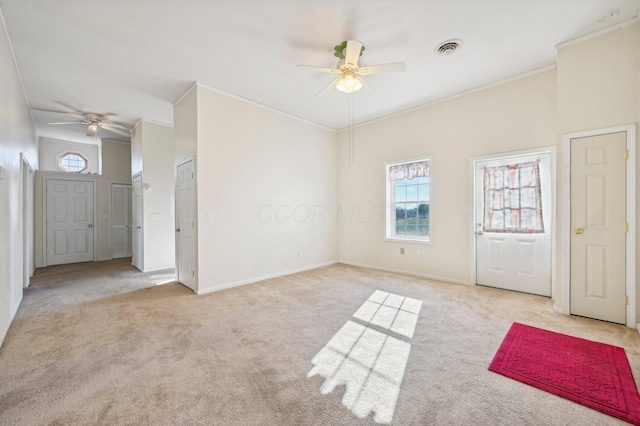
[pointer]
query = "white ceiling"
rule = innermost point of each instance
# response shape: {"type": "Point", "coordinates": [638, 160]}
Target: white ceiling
{"type": "Point", "coordinates": [134, 59]}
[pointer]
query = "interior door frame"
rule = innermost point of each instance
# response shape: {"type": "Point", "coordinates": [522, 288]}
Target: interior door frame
{"type": "Point", "coordinates": [630, 213]}
{"type": "Point", "coordinates": [64, 176]}
{"type": "Point", "coordinates": [177, 224]}
{"type": "Point", "coordinates": [140, 256]}
{"type": "Point", "coordinates": [130, 184]}
{"type": "Point", "coordinates": [474, 219]}
{"type": "Point", "coordinates": [27, 205]}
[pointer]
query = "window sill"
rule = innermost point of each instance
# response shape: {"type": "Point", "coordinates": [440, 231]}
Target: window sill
{"type": "Point", "coordinates": [408, 240]}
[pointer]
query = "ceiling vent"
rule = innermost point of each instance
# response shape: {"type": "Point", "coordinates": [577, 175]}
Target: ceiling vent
{"type": "Point", "coordinates": [448, 47]}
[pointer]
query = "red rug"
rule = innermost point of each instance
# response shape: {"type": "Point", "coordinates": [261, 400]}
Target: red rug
{"type": "Point", "coordinates": [593, 374]}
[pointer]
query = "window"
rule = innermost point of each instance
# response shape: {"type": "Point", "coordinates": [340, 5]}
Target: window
{"type": "Point", "coordinates": [72, 162]}
{"type": "Point", "coordinates": [408, 200]}
{"type": "Point", "coordinates": [512, 201]}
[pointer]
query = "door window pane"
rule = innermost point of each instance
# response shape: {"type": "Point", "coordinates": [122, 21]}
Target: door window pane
{"type": "Point", "coordinates": [513, 202]}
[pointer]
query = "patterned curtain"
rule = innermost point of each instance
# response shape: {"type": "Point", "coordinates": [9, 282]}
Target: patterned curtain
{"type": "Point", "coordinates": [512, 201]}
{"type": "Point", "coordinates": [408, 171]}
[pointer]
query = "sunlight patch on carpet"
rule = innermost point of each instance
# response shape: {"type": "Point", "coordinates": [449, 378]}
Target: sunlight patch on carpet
{"type": "Point", "coordinates": [370, 363]}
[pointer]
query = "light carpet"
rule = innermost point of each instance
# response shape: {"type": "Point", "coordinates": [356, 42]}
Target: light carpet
{"type": "Point", "coordinates": [112, 347]}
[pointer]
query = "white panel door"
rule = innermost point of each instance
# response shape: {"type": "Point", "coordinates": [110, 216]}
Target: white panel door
{"type": "Point", "coordinates": [69, 221]}
{"type": "Point", "coordinates": [598, 233]}
{"type": "Point", "coordinates": [185, 219]}
{"type": "Point", "coordinates": [137, 258]}
{"type": "Point", "coordinates": [120, 220]}
{"type": "Point", "coordinates": [519, 261]}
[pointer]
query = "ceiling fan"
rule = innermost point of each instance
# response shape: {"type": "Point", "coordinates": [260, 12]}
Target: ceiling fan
{"type": "Point", "coordinates": [350, 71]}
{"type": "Point", "coordinates": [92, 121]}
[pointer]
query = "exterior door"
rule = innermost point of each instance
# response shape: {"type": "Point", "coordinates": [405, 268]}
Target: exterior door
{"type": "Point", "coordinates": [121, 220]}
{"type": "Point", "coordinates": [70, 231]}
{"type": "Point", "coordinates": [513, 223]}
{"type": "Point", "coordinates": [185, 219]}
{"type": "Point", "coordinates": [598, 227]}
{"type": "Point", "coordinates": [137, 258]}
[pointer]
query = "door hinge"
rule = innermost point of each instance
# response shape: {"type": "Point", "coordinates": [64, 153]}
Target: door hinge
{"type": "Point", "coordinates": [626, 300]}
{"type": "Point", "coordinates": [193, 224]}
{"type": "Point", "coordinates": [626, 227]}
{"type": "Point", "coordinates": [193, 274]}
{"type": "Point", "coordinates": [192, 176]}
{"type": "Point", "coordinates": [626, 154]}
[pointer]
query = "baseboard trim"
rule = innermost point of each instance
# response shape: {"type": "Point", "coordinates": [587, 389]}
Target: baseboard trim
{"type": "Point", "coordinates": [5, 331]}
{"type": "Point", "coordinates": [11, 318]}
{"type": "Point", "coordinates": [638, 328]}
{"type": "Point", "coordinates": [166, 268]}
{"type": "Point", "coordinates": [403, 272]}
{"type": "Point", "coordinates": [264, 277]}
{"type": "Point", "coordinates": [558, 309]}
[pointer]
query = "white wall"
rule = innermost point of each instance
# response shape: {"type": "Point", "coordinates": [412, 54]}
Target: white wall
{"type": "Point", "coordinates": [270, 183]}
{"type": "Point", "coordinates": [50, 149]}
{"type": "Point", "coordinates": [116, 168]}
{"type": "Point", "coordinates": [152, 153]}
{"type": "Point", "coordinates": [185, 126]}
{"type": "Point", "coordinates": [17, 136]}
{"type": "Point", "coordinates": [516, 115]}
{"type": "Point", "coordinates": [598, 87]}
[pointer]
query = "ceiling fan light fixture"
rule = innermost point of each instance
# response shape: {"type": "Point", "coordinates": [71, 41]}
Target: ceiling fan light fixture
{"type": "Point", "coordinates": [92, 129]}
{"type": "Point", "coordinates": [349, 82]}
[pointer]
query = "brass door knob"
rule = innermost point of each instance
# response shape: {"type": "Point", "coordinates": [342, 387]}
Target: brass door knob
{"type": "Point", "coordinates": [578, 230]}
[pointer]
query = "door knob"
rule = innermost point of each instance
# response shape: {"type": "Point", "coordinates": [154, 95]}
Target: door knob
{"type": "Point", "coordinates": [578, 230]}
{"type": "Point", "coordinates": [90, 225]}
{"type": "Point", "coordinates": [177, 229]}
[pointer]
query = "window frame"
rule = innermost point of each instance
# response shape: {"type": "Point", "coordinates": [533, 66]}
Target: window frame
{"type": "Point", "coordinates": [389, 205]}
{"type": "Point", "coordinates": [66, 153]}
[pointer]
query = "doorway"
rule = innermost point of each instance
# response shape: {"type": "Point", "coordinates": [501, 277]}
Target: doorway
{"type": "Point", "coordinates": [186, 225]}
{"type": "Point", "coordinates": [121, 220]}
{"type": "Point", "coordinates": [513, 221]}
{"type": "Point", "coordinates": [137, 244]}
{"type": "Point", "coordinates": [28, 242]}
{"type": "Point", "coordinates": [599, 225]}
{"type": "Point", "coordinates": [70, 206]}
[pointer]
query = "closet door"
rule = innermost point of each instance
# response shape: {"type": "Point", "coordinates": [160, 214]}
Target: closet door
{"type": "Point", "coordinates": [120, 220]}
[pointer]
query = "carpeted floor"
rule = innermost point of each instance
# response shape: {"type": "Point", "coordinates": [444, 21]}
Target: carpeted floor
{"type": "Point", "coordinates": [101, 343]}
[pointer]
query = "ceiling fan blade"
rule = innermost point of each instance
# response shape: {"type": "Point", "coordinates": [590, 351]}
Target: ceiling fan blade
{"type": "Point", "coordinates": [377, 69]}
{"type": "Point", "coordinates": [352, 53]}
{"type": "Point", "coordinates": [114, 130]}
{"type": "Point", "coordinates": [48, 110]}
{"type": "Point", "coordinates": [328, 88]}
{"type": "Point", "coordinates": [68, 122]}
{"type": "Point", "coordinates": [319, 69]}
{"type": "Point", "coordinates": [114, 124]}
{"type": "Point", "coordinates": [68, 114]}
{"type": "Point", "coordinates": [69, 107]}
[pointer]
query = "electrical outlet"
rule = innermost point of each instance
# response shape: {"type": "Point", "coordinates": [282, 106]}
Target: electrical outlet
{"type": "Point", "coordinates": [299, 255]}
{"type": "Point", "coordinates": [401, 250]}
{"type": "Point", "coordinates": [420, 252]}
